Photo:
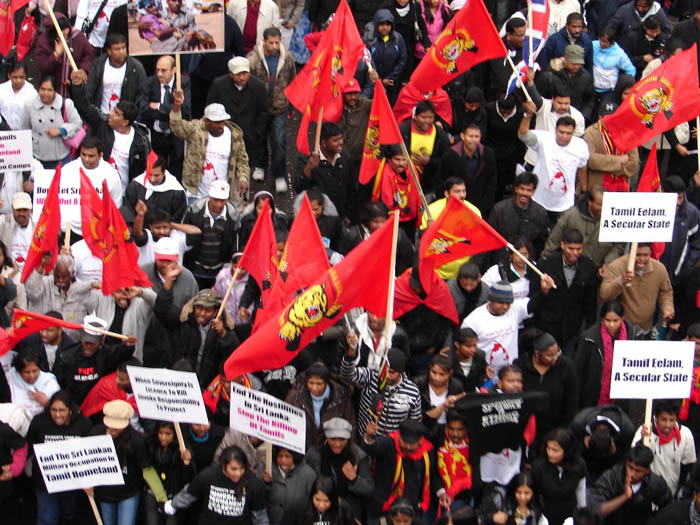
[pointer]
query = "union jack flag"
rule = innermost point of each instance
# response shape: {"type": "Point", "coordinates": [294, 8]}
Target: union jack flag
{"type": "Point", "coordinates": [538, 34]}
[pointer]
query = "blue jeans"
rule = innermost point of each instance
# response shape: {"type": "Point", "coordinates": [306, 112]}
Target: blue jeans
{"type": "Point", "coordinates": [51, 507]}
{"type": "Point", "coordinates": [123, 513]}
{"type": "Point", "coordinates": [278, 144]}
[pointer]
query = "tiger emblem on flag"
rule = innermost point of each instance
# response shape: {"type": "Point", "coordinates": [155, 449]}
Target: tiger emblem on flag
{"type": "Point", "coordinates": [307, 310]}
{"type": "Point", "coordinates": [653, 96]}
{"type": "Point", "coordinates": [371, 149]}
{"type": "Point", "coordinates": [441, 244]}
{"type": "Point", "coordinates": [446, 54]}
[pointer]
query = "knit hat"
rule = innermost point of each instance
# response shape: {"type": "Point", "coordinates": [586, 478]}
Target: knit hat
{"type": "Point", "coordinates": [411, 430]}
{"type": "Point", "coordinates": [501, 292]}
{"type": "Point", "coordinates": [397, 359]}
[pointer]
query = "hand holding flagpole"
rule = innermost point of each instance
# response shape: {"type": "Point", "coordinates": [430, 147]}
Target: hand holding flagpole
{"type": "Point", "coordinates": [59, 33]}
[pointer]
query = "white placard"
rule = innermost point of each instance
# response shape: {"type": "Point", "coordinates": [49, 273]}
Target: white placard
{"type": "Point", "coordinates": [640, 217]}
{"type": "Point", "coordinates": [652, 369]}
{"type": "Point", "coordinates": [168, 395]}
{"type": "Point", "coordinates": [267, 418]}
{"type": "Point", "coordinates": [16, 150]}
{"type": "Point", "coordinates": [79, 463]}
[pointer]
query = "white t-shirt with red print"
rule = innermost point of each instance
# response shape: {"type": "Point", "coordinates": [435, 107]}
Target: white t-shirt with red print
{"type": "Point", "coordinates": [119, 157]}
{"type": "Point", "coordinates": [215, 162]}
{"type": "Point", "coordinates": [112, 80]}
{"type": "Point", "coordinates": [498, 334]}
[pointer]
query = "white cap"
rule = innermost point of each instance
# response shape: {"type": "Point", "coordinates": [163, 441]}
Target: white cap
{"type": "Point", "coordinates": [216, 113]}
{"type": "Point", "coordinates": [219, 189]}
{"type": "Point", "coordinates": [166, 249]}
{"type": "Point", "coordinates": [92, 319]}
{"type": "Point", "coordinates": [21, 201]}
{"type": "Point", "coordinates": [238, 65]}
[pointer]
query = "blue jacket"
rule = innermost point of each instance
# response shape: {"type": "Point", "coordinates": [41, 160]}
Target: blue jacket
{"type": "Point", "coordinates": [607, 64]}
{"type": "Point", "coordinates": [556, 44]}
{"type": "Point", "coordinates": [627, 18]}
{"type": "Point", "coordinates": [389, 57]}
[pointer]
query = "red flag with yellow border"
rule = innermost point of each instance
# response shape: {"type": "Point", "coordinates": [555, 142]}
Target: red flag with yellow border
{"type": "Point", "coordinates": [25, 323]}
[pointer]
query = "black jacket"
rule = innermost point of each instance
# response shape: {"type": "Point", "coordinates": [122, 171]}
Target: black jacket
{"type": "Point", "coordinates": [580, 86]}
{"type": "Point", "coordinates": [636, 45]}
{"type": "Point", "coordinates": [405, 251]}
{"type": "Point", "coordinates": [686, 291]}
{"type": "Point", "coordinates": [91, 114]}
{"type": "Point", "coordinates": [588, 361]}
{"type": "Point", "coordinates": [133, 78]}
{"type": "Point", "coordinates": [477, 373]}
{"type": "Point", "coordinates": [248, 108]}
{"type": "Point", "coordinates": [429, 179]}
{"type": "Point", "coordinates": [174, 201]}
{"type": "Point", "coordinates": [493, 74]}
{"type": "Point", "coordinates": [557, 492]}
{"type": "Point", "coordinates": [454, 387]}
{"type": "Point", "coordinates": [150, 92]}
{"type": "Point", "coordinates": [481, 187]}
{"type": "Point", "coordinates": [511, 221]}
{"type": "Point", "coordinates": [676, 514]}
{"type": "Point", "coordinates": [34, 343]}
{"type": "Point", "coordinates": [336, 180]}
{"type": "Point", "coordinates": [562, 310]}
{"type": "Point", "coordinates": [637, 510]}
{"type": "Point", "coordinates": [187, 337]}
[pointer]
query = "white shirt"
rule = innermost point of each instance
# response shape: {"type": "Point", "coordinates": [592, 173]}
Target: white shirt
{"type": "Point", "coordinates": [87, 267]}
{"type": "Point", "coordinates": [70, 179]}
{"type": "Point", "coordinates": [19, 389]}
{"type": "Point", "coordinates": [119, 158]}
{"type": "Point", "coordinates": [147, 251]}
{"type": "Point", "coordinates": [556, 170]}
{"type": "Point", "coordinates": [438, 400]}
{"type": "Point", "coordinates": [112, 80]}
{"type": "Point", "coordinates": [498, 335]}
{"type": "Point", "coordinates": [87, 9]}
{"type": "Point", "coordinates": [521, 287]}
{"type": "Point", "coordinates": [215, 161]}
{"type": "Point", "coordinates": [50, 354]}
{"type": "Point", "coordinates": [12, 103]}
{"type": "Point", "coordinates": [20, 244]}
{"type": "Point", "coordinates": [546, 120]}
{"type": "Point", "coordinates": [156, 124]}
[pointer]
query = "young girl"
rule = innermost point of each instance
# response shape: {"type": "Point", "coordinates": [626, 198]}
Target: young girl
{"type": "Point", "coordinates": [324, 507]}
{"type": "Point", "coordinates": [174, 466]}
{"type": "Point", "coordinates": [522, 506]}
{"type": "Point", "coordinates": [232, 493]}
{"type": "Point", "coordinates": [439, 392]}
{"type": "Point", "coordinates": [469, 363]}
{"type": "Point", "coordinates": [402, 513]}
{"type": "Point", "coordinates": [559, 476]}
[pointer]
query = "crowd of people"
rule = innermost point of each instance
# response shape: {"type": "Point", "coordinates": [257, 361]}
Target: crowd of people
{"type": "Point", "coordinates": [384, 444]}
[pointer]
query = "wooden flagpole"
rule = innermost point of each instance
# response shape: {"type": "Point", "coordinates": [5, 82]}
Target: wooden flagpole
{"type": "Point", "coordinates": [228, 292]}
{"type": "Point", "coordinates": [392, 281]}
{"type": "Point", "coordinates": [178, 76]}
{"type": "Point", "coordinates": [517, 74]}
{"type": "Point", "coordinates": [319, 123]}
{"type": "Point", "coordinates": [529, 28]}
{"type": "Point", "coordinates": [66, 49]}
{"type": "Point", "coordinates": [527, 261]}
{"type": "Point", "coordinates": [416, 181]}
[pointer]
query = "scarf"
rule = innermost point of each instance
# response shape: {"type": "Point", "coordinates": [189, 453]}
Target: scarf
{"type": "Point", "coordinates": [608, 344]}
{"type": "Point", "coordinates": [332, 467]}
{"type": "Point", "coordinates": [674, 434]}
{"type": "Point", "coordinates": [398, 485]}
{"type": "Point", "coordinates": [611, 182]}
{"type": "Point", "coordinates": [399, 193]}
{"type": "Point", "coordinates": [169, 183]}
{"type": "Point", "coordinates": [694, 395]}
{"type": "Point", "coordinates": [318, 404]}
{"type": "Point", "coordinates": [453, 466]}
{"type": "Point", "coordinates": [216, 389]}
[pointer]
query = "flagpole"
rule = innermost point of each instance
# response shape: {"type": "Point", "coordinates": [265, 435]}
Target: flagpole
{"type": "Point", "coordinates": [66, 239]}
{"type": "Point", "coordinates": [392, 279]}
{"type": "Point", "coordinates": [517, 75]}
{"type": "Point", "coordinates": [416, 182]}
{"type": "Point", "coordinates": [697, 135]}
{"type": "Point", "coordinates": [178, 76]}
{"type": "Point", "coordinates": [105, 332]}
{"type": "Point", "coordinates": [529, 27]}
{"type": "Point", "coordinates": [317, 140]}
{"type": "Point", "coordinates": [527, 261]}
{"type": "Point", "coordinates": [630, 262]}
{"type": "Point", "coordinates": [59, 33]}
{"type": "Point", "coordinates": [96, 512]}
{"type": "Point", "coordinates": [228, 292]}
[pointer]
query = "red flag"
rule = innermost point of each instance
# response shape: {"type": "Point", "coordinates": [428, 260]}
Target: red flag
{"type": "Point", "coordinates": [260, 253]}
{"type": "Point", "coordinates": [381, 129]}
{"type": "Point", "coordinates": [468, 39]}
{"type": "Point", "coordinates": [409, 96]}
{"type": "Point", "coordinates": [7, 25]}
{"type": "Point", "coordinates": [150, 162]}
{"type": "Point", "coordinates": [661, 100]}
{"type": "Point", "coordinates": [649, 180]}
{"type": "Point", "coordinates": [456, 233]}
{"type": "Point", "coordinates": [331, 65]}
{"type": "Point", "coordinates": [361, 279]}
{"type": "Point", "coordinates": [45, 237]}
{"type": "Point", "coordinates": [108, 238]}
{"type": "Point", "coordinates": [303, 260]}
{"type": "Point", "coordinates": [438, 299]}
{"type": "Point", "coordinates": [25, 323]}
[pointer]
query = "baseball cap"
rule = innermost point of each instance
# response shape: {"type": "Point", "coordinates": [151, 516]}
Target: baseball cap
{"type": "Point", "coordinates": [337, 427]}
{"type": "Point", "coordinates": [216, 113]}
{"type": "Point", "coordinates": [166, 249]}
{"type": "Point", "coordinates": [574, 54]}
{"type": "Point", "coordinates": [238, 65]}
{"type": "Point", "coordinates": [607, 108]}
{"type": "Point", "coordinates": [352, 86]}
{"type": "Point", "coordinates": [21, 201]}
{"type": "Point", "coordinates": [117, 413]}
{"type": "Point", "coordinates": [207, 298]}
{"type": "Point", "coordinates": [88, 335]}
{"type": "Point", "coordinates": [219, 189]}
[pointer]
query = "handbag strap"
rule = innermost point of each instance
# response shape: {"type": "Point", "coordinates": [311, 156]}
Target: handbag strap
{"type": "Point", "coordinates": [94, 20]}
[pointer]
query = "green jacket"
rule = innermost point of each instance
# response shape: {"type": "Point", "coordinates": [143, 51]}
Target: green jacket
{"type": "Point", "coordinates": [286, 71]}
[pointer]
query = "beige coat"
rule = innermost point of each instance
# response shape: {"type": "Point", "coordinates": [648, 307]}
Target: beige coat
{"type": "Point", "coordinates": [599, 162]}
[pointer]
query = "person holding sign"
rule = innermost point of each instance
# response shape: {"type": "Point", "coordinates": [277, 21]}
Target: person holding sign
{"type": "Point", "coordinates": [61, 421]}
{"type": "Point", "coordinates": [640, 290]}
{"type": "Point", "coordinates": [120, 503]}
{"type": "Point", "coordinates": [231, 494]}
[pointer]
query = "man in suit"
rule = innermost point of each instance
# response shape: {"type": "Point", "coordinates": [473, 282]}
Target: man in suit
{"type": "Point", "coordinates": [155, 101]}
{"type": "Point", "coordinates": [561, 311]}
{"type": "Point", "coordinates": [47, 343]}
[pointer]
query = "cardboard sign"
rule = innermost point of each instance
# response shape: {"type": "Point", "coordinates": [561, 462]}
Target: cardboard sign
{"type": "Point", "coordinates": [15, 150]}
{"type": "Point", "coordinates": [167, 395]}
{"type": "Point", "coordinates": [157, 27]}
{"type": "Point", "coordinates": [79, 463]}
{"type": "Point", "coordinates": [267, 418]}
{"type": "Point", "coordinates": [652, 369]}
{"type": "Point", "coordinates": [640, 217]}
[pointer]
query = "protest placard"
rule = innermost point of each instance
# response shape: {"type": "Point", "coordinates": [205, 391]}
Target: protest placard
{"type": "Point", "coordinates": [268, 418]}
{"type": "Point", "coordinates": [167, 395]}
{"type": "Point", "coordinates": [15, 150]}
{"type": "Point", "coordinates": [637, 217]}
{"type": "Point", "coordinates": [652, 369]}
{"type": "Point", "coordinates": [156, 27]}
{"type": "Point", "coordinates": [78, 463]}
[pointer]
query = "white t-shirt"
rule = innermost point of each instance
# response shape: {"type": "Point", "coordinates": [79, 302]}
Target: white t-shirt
{"type": "Point", "coordinates": [119, 158]}
{"type": "Point", "coordinates": [112, 80]}
{"type": "Point", "coordinates": [87, 9]}
{"type": "Point", "coordinates": [521, 287]}
{"type": "Point", "coordinates": [147, 251]}
{"type": "Point", "coordinates": [50, 354]}
{"type": "Point", "coordinates": [500, 467]}
{"type": "Point", "coordinates": [436, 401]}
{"type": "Point", "coordinates": [70, 185]}
{"type": "Point", "coordinates": [12, 103]}
{"type": "Point", "coordinates": [20, 244]}
{"type": "Point", "coordinates": [556, 169]}
{"type": "Point", "coordinates": [215, 162]}
{"type": "Point", "coordinates": [498, 335]}
{"type": "Point", "coordinates": [87, 267]}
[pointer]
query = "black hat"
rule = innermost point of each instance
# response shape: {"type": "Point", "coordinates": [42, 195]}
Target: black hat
{"type": "Point", "coordinates": [411, 430]}
{"type": "Point", "coordinates": [397, 359]}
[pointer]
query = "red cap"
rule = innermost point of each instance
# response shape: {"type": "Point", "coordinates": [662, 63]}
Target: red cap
{"type": "Point", "coordinates": [352, 86]}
